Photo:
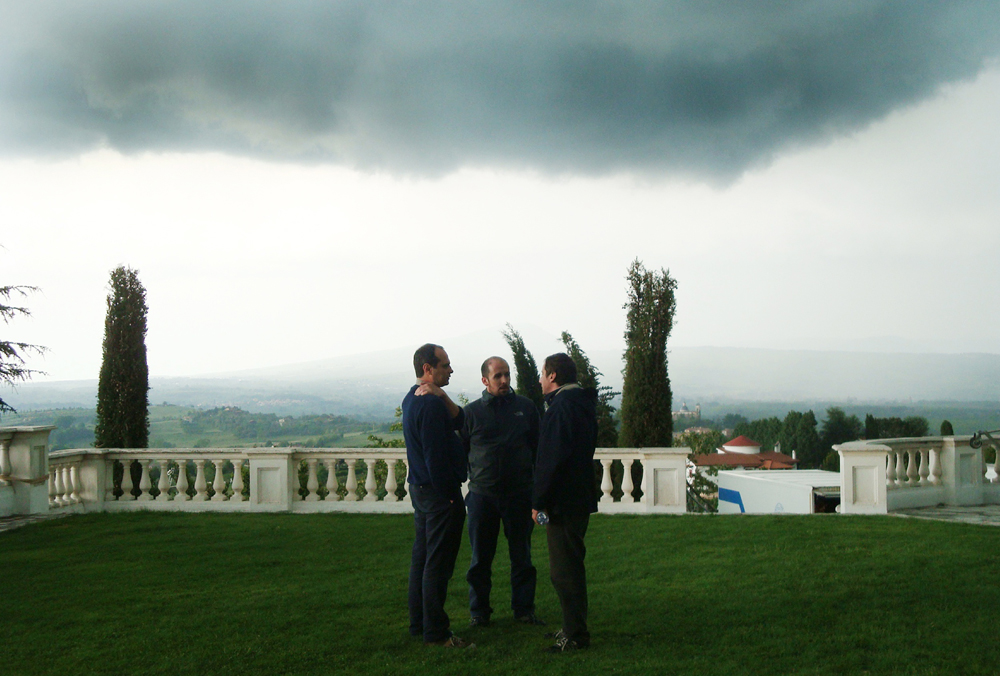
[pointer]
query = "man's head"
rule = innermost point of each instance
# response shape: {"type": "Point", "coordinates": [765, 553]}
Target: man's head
{"type": "Point", "coordinates": [431, 364]}
{"type": "Point", "coordinates": [559, 369]}
{"type": "Point", "coordinates": [496, 376]}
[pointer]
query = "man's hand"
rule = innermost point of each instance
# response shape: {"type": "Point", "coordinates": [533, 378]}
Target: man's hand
{"type": "Point", "coordinates": [429, 388]}
{"type": "Point", "coordinates": [534, 516]}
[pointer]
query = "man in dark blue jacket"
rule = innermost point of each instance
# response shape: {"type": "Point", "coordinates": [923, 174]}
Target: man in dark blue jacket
{"type": "Point", "coordinates": [500, 436]}
{"type": "Point", "coordinates": [565, 489]}
{"type": "Point", "coordinates": [437, 469]}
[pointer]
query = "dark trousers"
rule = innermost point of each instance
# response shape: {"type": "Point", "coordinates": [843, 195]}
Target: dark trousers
{"type": "Point", "coordinates": [485, 516]}
{"type": "Point", "coordinates": [438, 523]}
{"type": "Point", "coordinates": [567, 551]}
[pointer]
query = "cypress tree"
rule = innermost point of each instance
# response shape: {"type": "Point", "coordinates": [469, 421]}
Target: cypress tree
{"type": "Point", "coordinates": [646, 395]}
{"type": "Point", "coordinates": [588, 376]}
{"type": "Point", "coordinates": [946, 429]}
{"type": "Point", "coordinates": [525, 368]}
{"type": "Point", "coordinates": [122, 392]}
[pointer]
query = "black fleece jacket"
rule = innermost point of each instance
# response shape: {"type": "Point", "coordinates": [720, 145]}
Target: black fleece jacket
{"type": "Point", "coordinates": [564, 468]}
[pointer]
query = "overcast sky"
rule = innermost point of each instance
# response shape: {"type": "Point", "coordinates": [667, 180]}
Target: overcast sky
{"type": "Point", "coordinates": [312, 179]}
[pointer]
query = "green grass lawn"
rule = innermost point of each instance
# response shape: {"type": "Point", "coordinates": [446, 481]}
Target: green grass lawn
{"type": "Point", "coordinates": [296, 594]}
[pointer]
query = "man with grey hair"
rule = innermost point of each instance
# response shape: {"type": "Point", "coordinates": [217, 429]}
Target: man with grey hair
{"type": "Point", "coordinates": [500, 434]}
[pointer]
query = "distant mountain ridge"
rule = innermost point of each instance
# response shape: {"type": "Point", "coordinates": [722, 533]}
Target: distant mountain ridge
{"type": "Point", "coordinates": [371, 385]}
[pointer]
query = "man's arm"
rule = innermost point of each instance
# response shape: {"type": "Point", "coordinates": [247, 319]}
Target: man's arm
{"type": "Point", "coordinates": [434, 438]}
{"type": "Point", "coordinates": [554, 446]}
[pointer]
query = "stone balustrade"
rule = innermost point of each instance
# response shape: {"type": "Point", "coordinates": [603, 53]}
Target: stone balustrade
{"type": "Point", "coordinates": [884, 475]}
{"type": "Point", "coordinates": [311, 479]}
{"type": "Point", "coordinates": [23, 457]}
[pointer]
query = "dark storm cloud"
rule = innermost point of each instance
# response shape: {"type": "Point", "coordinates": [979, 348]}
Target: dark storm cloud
{"type": "Point", "coordinates": [704, 88]}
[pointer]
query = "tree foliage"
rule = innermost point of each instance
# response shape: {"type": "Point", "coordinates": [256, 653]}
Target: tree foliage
{"type": "Point", "coordinates": [588, 376]}
{"type": "Point", "coordinates": [946, 429]}
{"type": "Point", "coordinates": [123, 388]}
{"type": "Point", "coordinates": [895, 428]}
{"type": "Point", "coordinates": [525, 369]}
{"type": "Point", "coordinates": [646, 396]}
{"type": "Point", "coordinates": [14, 353]}
{"type": "Point", "coordinates": [838, 428]}
{"type": "Point", "coordinates": [766, 432]}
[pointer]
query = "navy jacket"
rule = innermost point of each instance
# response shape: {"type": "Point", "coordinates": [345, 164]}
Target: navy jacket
{"type": "Point", "coordinates": [564, 470]}
{"type": "Point", "coordinates": [434, 452]}
{"type": "Point", "coordinates": [500, 436]}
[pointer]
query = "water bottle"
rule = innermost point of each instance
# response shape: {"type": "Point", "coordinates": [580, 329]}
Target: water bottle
{"type": "Point", "coordinates": [543, 518]}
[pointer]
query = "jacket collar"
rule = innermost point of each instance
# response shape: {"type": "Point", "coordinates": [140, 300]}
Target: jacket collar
{"type": "Point", "coordinates": [490, 398]}
{"type": "Point", "coordinates": [554, 393]}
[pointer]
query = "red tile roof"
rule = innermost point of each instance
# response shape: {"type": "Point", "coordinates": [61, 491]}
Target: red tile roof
{"type": "Point", "coordinates": [769, 460]}
{"type": "Point", "coordinates": [741, 441]}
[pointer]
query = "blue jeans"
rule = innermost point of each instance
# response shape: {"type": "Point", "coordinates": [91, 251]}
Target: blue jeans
{"type": "Point", "coordinates": [438, 534]}
{"type": "Point", "coordinates": [485, 516]}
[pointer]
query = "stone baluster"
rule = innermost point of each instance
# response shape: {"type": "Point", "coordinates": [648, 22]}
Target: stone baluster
{"type": "Point", "coordinates": [911, 468]}
{"type": "Point", "coordinates": [901, 469]}
{"type": "Point", "coordinates": [219, 485]}
{"type": "Point", "coordinates": [238, 480]}
{"type": "Point", "coordinates": [52, 488]}
{"type": "Point", "coordinates": [925, 470]}
{"type": "Point", "coordinates": [200, 485]}
{"type": "Point", "coordinates": [74, 479]}
{"type": "Point", "coordinates": [890, 470]}
{"type": "Point", "coordinates": [67, 486]}
{"type": "Point", "coordinates": [144, 483]}
{"type": "Point", "coordinates": [127, 481]}
{"type": "Point", "coordinates": [5, 461]}
{"type": "Point", "coordinates": [371, 486]}
{"type": "Point", "coordinates": [312, 482]}
{"type": "Point", "coordinates": [332, 485]}
{"type": "Point", "coordinates": [60, 487]}
{"type": "Point", "coordinates": [996, 467]}
{"type": "Point", "coordinates": [182, 480]}
{"type": "Point", "coordinates": [352, 481]}
{"type": "Point", "coordinates": [163, 485]}
{"type": "Point", "coordinates": [109, 481]}
{"type": "Point", "coordinates": [606, 484]}
{"type": "Point", "coordinates": [390, 481]}
{"type": "Point", "coordinates": [627, 486]}
{"type": "Point", "coordinates": [936, 466]}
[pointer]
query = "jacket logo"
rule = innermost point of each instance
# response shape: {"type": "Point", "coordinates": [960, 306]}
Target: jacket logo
{"type": "Point", "coordinates": [521, 413]}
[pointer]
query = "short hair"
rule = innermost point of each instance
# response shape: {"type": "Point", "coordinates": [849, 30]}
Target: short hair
{"type": "Point", "coordinates": [425, 354]}
{"type": "Point", "coordinates": [563, 366]}
{"type": "Point", "coordinates": [486, 365]}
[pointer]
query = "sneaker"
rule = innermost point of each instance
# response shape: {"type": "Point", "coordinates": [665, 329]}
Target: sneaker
{"type": "Point", "coordinates": [452, 642]}
{"type": "Point", "coordinates": [479, 622]}
{"type": "Point", "coordinates": [556, 634]}
{"type": "Point", "coordinates": [530, 618]}
{"type": "Point", "coordinates": [563, 645]}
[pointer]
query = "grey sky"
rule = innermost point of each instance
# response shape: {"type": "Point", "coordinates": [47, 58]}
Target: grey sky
{"type": "Point", "coordinates": [705, 89]}
{"type": "Point", "coordinates": [299, 181]}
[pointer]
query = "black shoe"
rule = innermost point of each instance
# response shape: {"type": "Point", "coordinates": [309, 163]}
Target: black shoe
{"type": "Point", "coordinates": [479, 622]}
{"type": "Point", "coordinates": [530, 618]}
{"type": "Point", "coordinates": [453, 642]}
{"type": "Point", "coordinates": [564, 645]}
{"type": "Point", "coordinates": [555, 634]}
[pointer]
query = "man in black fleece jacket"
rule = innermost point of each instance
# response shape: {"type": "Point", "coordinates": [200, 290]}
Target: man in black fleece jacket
{"type": "Point", "coordinates": [436, 464]}
{"type": "Point", "coordinates": [565, 489]}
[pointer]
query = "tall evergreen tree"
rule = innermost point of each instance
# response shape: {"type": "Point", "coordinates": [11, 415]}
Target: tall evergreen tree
{"type": "Point", "coordinates": [646, 396]}
{"type": "Point", "coordinates": [588, 376]}
{"type": "Point", "coordinates": [122, 392]}
{"type": "Point", "coordinates": [525, 369]}
{"type": "Point", "coordinates": [946, 429]}
{"type": "Point", "coordinates": [13, 353]}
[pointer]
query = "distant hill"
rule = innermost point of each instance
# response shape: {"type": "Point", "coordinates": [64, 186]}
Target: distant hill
{"type": "Point", "coordinates": [371, 385]}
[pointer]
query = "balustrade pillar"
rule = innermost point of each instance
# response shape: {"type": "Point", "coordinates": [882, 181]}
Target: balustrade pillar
{"type": "Point", "coordinates": [182, 480]}
{"type": "Point", "coordinates": [238, 480]}
{"type": "Point", "coordinates": [890, 470]}
{"type": "Point", "coordinates": [74, 478]}
{"type": "Point", "coordinates": [352, 481]}
{"type": "Point", "coordinates": [219, 485]}
{"type": "Point", "coordinates": [901, 469]}
{"type": "Point", "coordinates": [627, 486]}
{"type": "Point", "coordinates": [312, 483]}
{"type": "Point", "coordinates": [332, 485]}
{"type": "Point", "coordinates": [60, 487]}
{"type": "Point", "coordinates": [996, 467]}
{"type": "Point", "coordinates": [925, 469]}
{"type": "Point", "coordinates": [163, 485]}
{"type": "Point", "coordinates": [370, 484]}
{"type": "Point", "coordinates": [200, 485]}
{"type": "Point", "coordinates": [390, 481]}
{"type": "Point", "coordinates": [144, 483]}
{"type": "Point", "coordinates": [936, 466]}
{"type": "Point", "coordinates": [127, 480]}
{"type": "Point", "coordinates": [5, 461]}
{"type": "Point", "coordinates": [52, 489]}
{"type": "Point", "coordinates": [606, 484]}
{"type": "Point", "coordinates": [911, 468]}
{"type": "Point", "coordinates": [109, 481]}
